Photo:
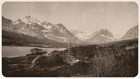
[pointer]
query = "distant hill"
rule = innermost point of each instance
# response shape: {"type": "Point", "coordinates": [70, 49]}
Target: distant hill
{"type": "Point", "coordinates": [131, 33]}
{"type": "Point", "coordinates": [81, 35]}
{"type": "Point", "coordinates": [101, 36]}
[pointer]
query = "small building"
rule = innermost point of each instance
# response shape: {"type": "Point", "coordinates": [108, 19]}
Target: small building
{"type": "Point", "coordinates": [36, 51]}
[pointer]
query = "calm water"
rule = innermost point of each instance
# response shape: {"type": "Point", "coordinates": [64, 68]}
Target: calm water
{"type": "Point", "coordinates": [13, 51]}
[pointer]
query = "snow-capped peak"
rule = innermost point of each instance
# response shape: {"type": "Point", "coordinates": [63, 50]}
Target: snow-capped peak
{"type": "Point", "coordinates": [104, 32]}
{"type": "Point", "coordinates": [47, 25]}
{"type": "Point", "coordinates": [61, 28]}
{"type": "Point", "coordinates": [29, 20]}
{"type": "Point", "coordinates": [81, 35]}
{"type": "Point", "coordinates": [16, 22]}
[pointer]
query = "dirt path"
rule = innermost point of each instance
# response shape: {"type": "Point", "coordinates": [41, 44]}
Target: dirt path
{"type": "Point", "coordinates": [33, 62]}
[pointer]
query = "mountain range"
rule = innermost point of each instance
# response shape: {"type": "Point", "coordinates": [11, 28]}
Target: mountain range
{"type": "Point", "coordinates": [56, 33]}
{"type": "Point", "coordinates": [32, 27]}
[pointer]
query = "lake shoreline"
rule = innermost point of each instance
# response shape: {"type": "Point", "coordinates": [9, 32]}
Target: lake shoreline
{"type": "Point", "coordinates": [33, 46]}
{"type": "Point", "coordinates": [17, 51]}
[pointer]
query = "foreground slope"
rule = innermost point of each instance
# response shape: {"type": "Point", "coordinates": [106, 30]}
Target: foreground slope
{"type": "Point", "coordinates": [118, 59]}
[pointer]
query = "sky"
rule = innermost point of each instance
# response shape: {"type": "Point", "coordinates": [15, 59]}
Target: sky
{"type": "Point", "coordinates": [88, 17]}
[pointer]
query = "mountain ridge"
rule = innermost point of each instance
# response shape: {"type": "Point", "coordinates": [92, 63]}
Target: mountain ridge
{"type": "Point", "coordinates": [101, 36]}
{"type": "Point", "coordinates": [58, 32]}
{"type": "Point", "coordinates": [132, 33]}
{"type": "Point", "coordinates": [32, 27]}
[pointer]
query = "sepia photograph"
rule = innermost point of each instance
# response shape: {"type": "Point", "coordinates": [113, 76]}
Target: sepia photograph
{"type": "Point", "coordinates": [69, 39]}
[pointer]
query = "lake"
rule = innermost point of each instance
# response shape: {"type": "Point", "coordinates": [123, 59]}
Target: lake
{"type": "Point", "coordinates": [14, 51]}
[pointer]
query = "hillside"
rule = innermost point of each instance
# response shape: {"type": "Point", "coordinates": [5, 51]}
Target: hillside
{"type": "Point", "coordinates": [16, 39]}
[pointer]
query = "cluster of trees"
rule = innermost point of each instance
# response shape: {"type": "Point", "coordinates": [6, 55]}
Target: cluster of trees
{"type": "Point", "coordinates": [109, 60]}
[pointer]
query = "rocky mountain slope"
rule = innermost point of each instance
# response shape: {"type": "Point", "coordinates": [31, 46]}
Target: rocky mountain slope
{"type": "Point", "coordinates": [32, 27]}
{"type": "Point", "coordinates": [131, 33]}
{"type": "Point", "coordinates": [101, 36]}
